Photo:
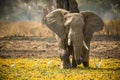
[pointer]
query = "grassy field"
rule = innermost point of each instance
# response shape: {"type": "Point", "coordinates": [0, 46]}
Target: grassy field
{"type": "Point", "coordinates": [49, 69]}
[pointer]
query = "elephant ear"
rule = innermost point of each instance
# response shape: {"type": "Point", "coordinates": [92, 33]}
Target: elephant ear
{"type": "Point", "coordinates": [93, 23]}
{"type": "Point", "coordinates": [55, 21]}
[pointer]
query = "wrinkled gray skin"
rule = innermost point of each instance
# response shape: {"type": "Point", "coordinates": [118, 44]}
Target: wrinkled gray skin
{"type": "Point", "coordinates": [71, 30]}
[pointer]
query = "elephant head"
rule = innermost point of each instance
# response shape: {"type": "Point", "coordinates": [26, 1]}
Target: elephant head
{"type": "Point", "coordinates": [72, 29]}
{"type": "Point", "coordinates": [75, 23]}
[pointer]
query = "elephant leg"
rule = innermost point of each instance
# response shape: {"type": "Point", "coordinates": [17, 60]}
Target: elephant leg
{"type": "Point", "coordinates": [86, 58]}
{"type": "Point", "coordinates": [64, 56]}
{"type": "Point", "coordinates": [74, 65]}
{"type": "Point", "coordinates": [86, 54]}
{"type": "Point", "coordinates": [71, 51]}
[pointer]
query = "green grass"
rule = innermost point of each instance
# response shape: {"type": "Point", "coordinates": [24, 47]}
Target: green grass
{"type": "Point", "coordinates": [49, 69]}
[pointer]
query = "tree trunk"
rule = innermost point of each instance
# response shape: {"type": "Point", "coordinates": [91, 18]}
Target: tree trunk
{"type": "Point", "coordinates": [70, 5]}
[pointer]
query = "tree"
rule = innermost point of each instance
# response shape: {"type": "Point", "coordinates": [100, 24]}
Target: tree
{"type": "Point", "coordinates": [70, 5]}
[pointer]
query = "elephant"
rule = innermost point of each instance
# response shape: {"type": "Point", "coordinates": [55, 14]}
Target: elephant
{"type": "Point", "coordinates": [74, 32]}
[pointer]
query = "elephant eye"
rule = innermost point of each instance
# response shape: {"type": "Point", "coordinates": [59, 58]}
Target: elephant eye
{"type": "Point", "coordinates": [65, 18]}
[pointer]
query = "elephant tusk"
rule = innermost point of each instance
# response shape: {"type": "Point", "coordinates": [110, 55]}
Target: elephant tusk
{"type": "Point", "coordinates": [69, 42]}
{"type": "Point", "coordinates": [85, 45]}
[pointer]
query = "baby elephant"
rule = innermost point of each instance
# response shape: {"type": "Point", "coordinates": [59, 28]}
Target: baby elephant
{"type": "Point", "coordinates": [74, 32]}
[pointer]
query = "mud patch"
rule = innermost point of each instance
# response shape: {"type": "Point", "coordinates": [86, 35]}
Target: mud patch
{"type": "Point", "coordinates": [39, 47]}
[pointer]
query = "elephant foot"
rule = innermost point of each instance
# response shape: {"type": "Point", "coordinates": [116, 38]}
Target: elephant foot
{"type": "Point", "coordinates": [74, 65]}
{"type": "Point", "coordinates": [79, 61]}
{"type": "Point", "coordinates": [66, 66]}
{"type": "Point", "coordinates": [86, 64]}
{"type": "Point", "coordinates": [65, 61]}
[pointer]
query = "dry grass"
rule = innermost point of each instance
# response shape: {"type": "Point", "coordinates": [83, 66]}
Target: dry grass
{"type": "Point", "coordinates": [111, 28]}
{"type": "Point", "coordinates": [37, 29]}
{"type": "Point", "coordinates": [24, 29]}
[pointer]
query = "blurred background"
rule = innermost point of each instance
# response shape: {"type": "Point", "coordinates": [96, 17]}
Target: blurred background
{"type": "Point", "coordinates": [24, 17]}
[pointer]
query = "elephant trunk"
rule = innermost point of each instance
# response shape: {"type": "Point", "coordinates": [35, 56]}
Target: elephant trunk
{"type": "Point", "coordinates": [78, 50]}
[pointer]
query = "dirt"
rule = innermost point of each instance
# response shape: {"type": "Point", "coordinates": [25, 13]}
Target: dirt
{"type": "Point", "coordinates": [39, 47]}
